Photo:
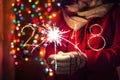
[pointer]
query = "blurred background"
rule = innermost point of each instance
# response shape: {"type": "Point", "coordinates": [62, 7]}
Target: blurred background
{"type": "Point", "coordinates": [16, 62]}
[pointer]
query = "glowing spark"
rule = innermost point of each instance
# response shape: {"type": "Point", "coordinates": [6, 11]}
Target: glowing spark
{"type": "Point", "coordinates": [55, 35]}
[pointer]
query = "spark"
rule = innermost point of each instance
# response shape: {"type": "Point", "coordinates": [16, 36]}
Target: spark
{"type": "Point", "coordinates": [55, 35]}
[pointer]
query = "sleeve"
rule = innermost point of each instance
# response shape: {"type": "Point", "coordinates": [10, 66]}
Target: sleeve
{"type": "Point", "coordinates": [109, 57]}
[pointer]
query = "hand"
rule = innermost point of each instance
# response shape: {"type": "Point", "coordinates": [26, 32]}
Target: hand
{"type": "Point", "coordinates": [65, 63]}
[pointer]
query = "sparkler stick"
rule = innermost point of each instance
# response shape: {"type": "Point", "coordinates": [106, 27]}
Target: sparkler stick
{"type": "Point", "coordinates": [72, 44]}
{"type": "Point", "coordinates": [55, 58]}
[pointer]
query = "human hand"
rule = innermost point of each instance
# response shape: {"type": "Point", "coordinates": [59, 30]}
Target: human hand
{"type": "Point", "coordinates": [66, 62]}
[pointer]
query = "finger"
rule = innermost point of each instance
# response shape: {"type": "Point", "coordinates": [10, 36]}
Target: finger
{"type": "Point", "coordinates": [61, 64]}
{"type": "Point", "coordinates": [65, 54]}
{"type": "Point", "coordinates": [70, 61]}
{"type": "Point", "coordinates": [60, 61]}
{"type": "Point", "coordinates": [50, 61]}
{"type": "Point", "coordinates": [51, 58]}
{"type": "Point", "coordinates": [62, 70]}
{"type": "Point", "coordinates": [62, 67]}
{"type": "Point", "coordinates": [65, 68]}
{"type": "Point", "coordinates": [61, 58]}
{"type": "Point", "coordinates": [60, 52]}
{"type": "Point", "coordinates": [53, 64]}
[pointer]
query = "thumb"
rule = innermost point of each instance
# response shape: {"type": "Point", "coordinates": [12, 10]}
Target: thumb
{"type": "Point", "coordinates": [60, 53]}
{"type": "Point", "coordinates": [66, 54]}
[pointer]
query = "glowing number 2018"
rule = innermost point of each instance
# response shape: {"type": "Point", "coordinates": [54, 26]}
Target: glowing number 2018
{"type": "Point", "coordinates": [28, 26]}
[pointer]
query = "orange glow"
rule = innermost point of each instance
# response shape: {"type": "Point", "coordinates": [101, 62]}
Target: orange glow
{"type": "Point", "coordinates": [18, 40]}
{"type": "Point", "coordinates": [36, 37]}
{"type": "Point", "coordinates": [47, 25]}
{"type": "Point", "coordinates": [36, 2]}
{"type": "Point", "coordinates": [51, 74]}
{"type": "Point", "coordinates": [18, 49]}
{"type": "Point", "coordinates": [42, 52]}
{"type": "Point", "coordinates": [13, 4]}
{"type": "Point", "coordinates": [18, 0]}
{"type": "Point", "coordinates": [13, 51]}
{"type": "Point", "coordinates": [29, 12]}
{"type": "Point", "coordinates": [19, 34]}
{"type": "Point", "coordinates": [49, 4]}
{"type": "Point", "coordinates": [11, 17]}
{"type": "Point", "coordinates": [26, 59]}
{"type": "Point", "coordinates": [50, 17]}
{"type": "Point", "coordinates": [18, 24]}
{"type": "Point", "coordinates": [42, 38]}
{"type": "Point", "coordinates": [19, 11]}
{"type": "Point", "coordinates": [41, 17]}
{"type": "Point", "coordinates": [54, 15]}
{"type": "Point", "coordinates": [49, 0]}
{"type": "Point", "coordinates": [14, 41]}
{"type": "Point", "coordinates": [29, 1]}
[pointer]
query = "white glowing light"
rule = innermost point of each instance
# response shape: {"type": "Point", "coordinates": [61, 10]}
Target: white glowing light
{"type": "Point", "coordinates": [54, 35]}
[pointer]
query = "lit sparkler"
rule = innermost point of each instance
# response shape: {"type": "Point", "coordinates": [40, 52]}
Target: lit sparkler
{"type": "Point", "coordinates": [55, 35]}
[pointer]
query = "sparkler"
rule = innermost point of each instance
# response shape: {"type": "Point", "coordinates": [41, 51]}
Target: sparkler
{"type": "Point", "coordinates": [55, 35]}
